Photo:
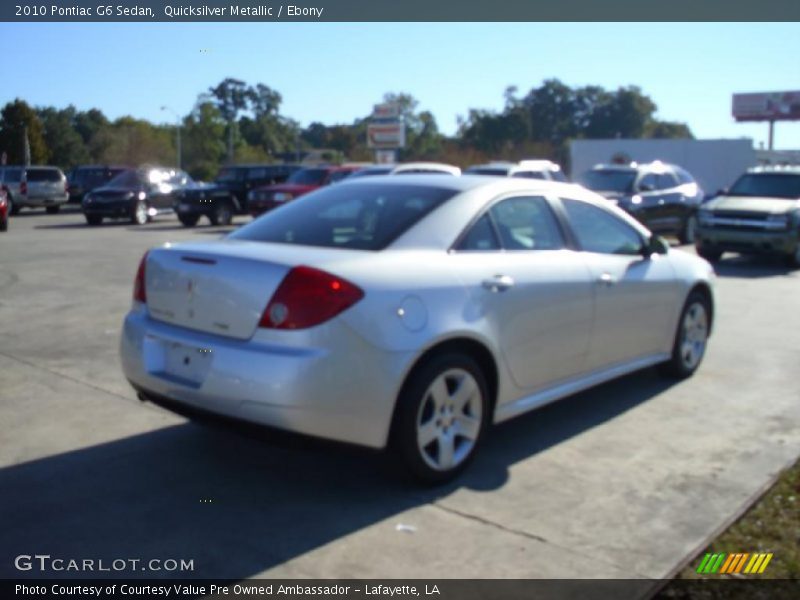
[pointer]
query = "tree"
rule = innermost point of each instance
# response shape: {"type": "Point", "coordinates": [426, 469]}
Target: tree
{"type": "Point", "coordinates": [67, 148]}
{"type": "Point", "coordinates": [17, 120]}
{"type": "Point", "coordinates": [203, 132]}
{"type": "Point", "coordinates": [132, 141]}
{"type": "Point", "coordinates": [231, 97]}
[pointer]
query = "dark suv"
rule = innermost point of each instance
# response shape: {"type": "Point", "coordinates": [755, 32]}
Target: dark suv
{"type": "Point", "coordinates": [663, 197]}
{"type": "Point", "coordinates": [136, 194]}
{"type": "Point", "coordinates": [759, 214]}
{"type": "Point", "coordinates": [229, 192]}
{"type": "Point", "coordinates": [85, 178]}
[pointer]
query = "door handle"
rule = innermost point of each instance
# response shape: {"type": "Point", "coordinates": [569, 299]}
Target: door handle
{"type": "Point", "coordinates": [606, 279]}
{"type": "Point", "coordinates": [499, 283]}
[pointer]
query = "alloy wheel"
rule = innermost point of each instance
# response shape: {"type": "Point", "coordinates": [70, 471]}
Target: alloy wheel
{"type": "Point", "coordinates": [694, 335]}
{"type": "Point", "coordinates": [449, 419]}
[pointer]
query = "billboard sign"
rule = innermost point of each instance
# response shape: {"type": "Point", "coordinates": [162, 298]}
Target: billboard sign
{"type": "Point", "coordinates": [767, 106]}
{"type": "Point", "coordinates": [386, 136]}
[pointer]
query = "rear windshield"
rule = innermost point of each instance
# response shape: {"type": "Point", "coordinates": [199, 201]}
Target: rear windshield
{"type": "Point", "coordinates": [773, 185]}
{"type": "Point", "coordinates": [12, 175]}
{"type": "Point", "coordinates": [94, 177]}
{"type": "Point", "coordinates": [369, 172]}
{"type": "Point", "coordinates": [308, 177]}
{"type": "Point", "coordinates": [363, 217]}
{"type": "Point", "coordinates": [500, 172]}
{"type": "Point", "coordinates": [608, 181]}
{"type": "Point", "coordinates": [126, 179]}
{"type": "Point", "coordinates": [43, 175]}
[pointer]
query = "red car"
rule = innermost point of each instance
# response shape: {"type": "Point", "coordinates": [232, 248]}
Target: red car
{"type": "Point", "coordinates": [3, 209]}
{"type": "Point", "coordinates": [301, 182]}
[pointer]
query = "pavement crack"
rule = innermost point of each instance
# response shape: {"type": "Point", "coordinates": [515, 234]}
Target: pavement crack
{"type": "Point", "coordinates": [538, 538]}
{"type": "Point", "coordinates": [63, 375]}
{"type": "Point", "coordinates": [493, 524]}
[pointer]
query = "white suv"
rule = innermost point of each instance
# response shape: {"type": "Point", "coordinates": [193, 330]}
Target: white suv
{"type": "Point", "coordinates": [532, 169]}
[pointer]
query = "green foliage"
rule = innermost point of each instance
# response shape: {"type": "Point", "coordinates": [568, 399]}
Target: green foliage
{"type": "Point", "coordinates": [236, 122]}
{"type": "Point", "coordinates": [16, 120]}
{"type": "Point", "coordinates": [66, 147]}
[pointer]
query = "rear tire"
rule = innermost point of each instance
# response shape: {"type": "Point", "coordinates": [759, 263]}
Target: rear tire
{"type": "Point", "coordinates": [52, 210]}
{"type": "Point", "coordinates": [139, 216]}
{"type": "Point", "coordinates": [188, 220]}
{"type": "Point", "coordinates": [691, 338]}
{"type": "Point", "coordinates": [440, 418]}
{"type": "Point", "coordinates": [687, 235]}
{"type": "Point", "coordinates": [222, 215]}
{"type": "Point", "coordinates": [4, 224]}
{"type": "Point", "coordinates": [794, 259]}
{"type": "Point", "coordinates": [13, 207]}
{"type": "Point", "coordinates": [94, 220]}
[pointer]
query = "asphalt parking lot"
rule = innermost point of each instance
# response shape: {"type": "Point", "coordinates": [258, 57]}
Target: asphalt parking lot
{"type": "Point", "coordinates": [624, 481]}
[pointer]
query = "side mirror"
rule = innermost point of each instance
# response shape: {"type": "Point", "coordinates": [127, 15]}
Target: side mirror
{"type": "Point", "coordinates": [646, 187]}
{"type": "Point", "coordinates": [722, 191]}
{"type": "Point", "coordinates": [655, 245]}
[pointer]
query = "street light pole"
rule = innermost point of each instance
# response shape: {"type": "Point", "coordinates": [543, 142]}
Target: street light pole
{"type": "Point", "coordinates": [177, 132]}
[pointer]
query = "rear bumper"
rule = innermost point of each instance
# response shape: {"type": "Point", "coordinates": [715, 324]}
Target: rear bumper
{"type": "Point", "coordinates": [748, 242]}
{"type": "Point", "coordinates": [345, 395]}
{"type": "Point", "coordinates": [28, 202]}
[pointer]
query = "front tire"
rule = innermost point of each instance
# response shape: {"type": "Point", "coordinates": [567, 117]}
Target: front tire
{"type": "Point", "coordinates": [94, 220]}
{"type": "Point", "coordinates": [691, 338]}
{"type": "Point", "coordinates": [441, 418]}
{"type": "Point", "coordinates": [222, 215]}
{"type": "Point", "coordinates": [139, 216]}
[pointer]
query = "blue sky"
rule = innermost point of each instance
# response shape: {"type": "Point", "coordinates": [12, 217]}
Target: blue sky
{"type": "Point", "coordinates": [334, 72]}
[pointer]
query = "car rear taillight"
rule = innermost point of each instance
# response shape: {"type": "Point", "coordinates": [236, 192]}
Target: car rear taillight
{"type": "Point", "coordinates": [139, 290]}
{"type": "Point", "coordinates": [23, 188]}
{"type": "Point", "coordinates": [308, 297]}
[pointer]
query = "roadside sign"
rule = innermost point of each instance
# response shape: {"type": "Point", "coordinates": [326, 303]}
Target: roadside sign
{"type": "Point", "coordinates": [388, 136]}
{"type": "Point", "coordinates": [388, 110]}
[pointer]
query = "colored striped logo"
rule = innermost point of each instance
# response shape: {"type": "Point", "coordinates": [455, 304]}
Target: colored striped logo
{"type": "Point", "coordinates": [722, 563]}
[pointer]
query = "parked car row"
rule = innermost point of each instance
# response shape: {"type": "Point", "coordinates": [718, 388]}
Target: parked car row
{"type": "Point", "coordinates": [759, 214]}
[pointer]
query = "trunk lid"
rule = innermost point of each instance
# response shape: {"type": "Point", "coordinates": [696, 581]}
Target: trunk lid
{"type": "Point", "coordinates": [221, 287]}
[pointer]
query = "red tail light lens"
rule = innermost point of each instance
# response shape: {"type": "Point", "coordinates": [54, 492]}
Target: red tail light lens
{"type": "Point", "coordinates": [139, 291]}
{"type": "Point", "coordinates": [308, 297]}
{"type": "Point", "coordinates": [23, 188]}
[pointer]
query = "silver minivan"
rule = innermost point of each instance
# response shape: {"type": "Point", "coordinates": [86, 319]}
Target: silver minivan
{"type": "Point", "coordinates": [34, 187]}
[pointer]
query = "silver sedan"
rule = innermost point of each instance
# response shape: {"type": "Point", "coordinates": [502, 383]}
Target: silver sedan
{"type": "Point", "coordinates": [411, 313]}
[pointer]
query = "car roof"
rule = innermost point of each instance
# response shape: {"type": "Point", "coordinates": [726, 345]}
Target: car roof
{"type": "Point", "coordinates": [635, 167]}
{"type": "Point", "coordinates": [778, 169]}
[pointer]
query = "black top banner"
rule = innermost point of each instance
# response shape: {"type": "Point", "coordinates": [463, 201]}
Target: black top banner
{"type": "Point", "coordinates": [152, 11]}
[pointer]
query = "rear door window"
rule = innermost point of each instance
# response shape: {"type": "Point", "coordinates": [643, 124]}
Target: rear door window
{"type": "Point", "coordinates": [527, 223]}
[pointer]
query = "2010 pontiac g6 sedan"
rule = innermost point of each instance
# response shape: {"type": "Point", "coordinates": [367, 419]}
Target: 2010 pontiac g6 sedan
{"type": "Point", "coordinates": [412, 313]}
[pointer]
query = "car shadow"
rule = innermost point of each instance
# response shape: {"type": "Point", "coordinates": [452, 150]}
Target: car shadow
{"type": "Point", "coordinates": [82, 225]}
{"type": "Point", "coordinates": [752, 267]}
{"type": "Point", "coordinates": [240, 500]}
